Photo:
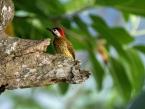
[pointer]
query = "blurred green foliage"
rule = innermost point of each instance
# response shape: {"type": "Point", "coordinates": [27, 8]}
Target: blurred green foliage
{"type": "Point", "coordinates": [125, 65]}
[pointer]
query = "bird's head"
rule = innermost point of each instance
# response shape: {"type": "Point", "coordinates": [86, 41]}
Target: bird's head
{"type": "Point", "coordinates": [57, 32]}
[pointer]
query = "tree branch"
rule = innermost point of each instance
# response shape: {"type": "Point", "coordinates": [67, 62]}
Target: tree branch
{"type": "Point", "coordinates": [24, 63]}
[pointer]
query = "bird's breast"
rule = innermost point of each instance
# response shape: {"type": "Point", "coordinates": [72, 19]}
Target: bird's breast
{"type": "Point", "coordinates": [61, 47]}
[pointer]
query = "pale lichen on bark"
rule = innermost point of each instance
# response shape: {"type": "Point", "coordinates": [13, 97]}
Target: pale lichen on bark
{"type": "Point", "coordinates": [6, 13]}
{"type": "Point", "coordinates": [25, 63]}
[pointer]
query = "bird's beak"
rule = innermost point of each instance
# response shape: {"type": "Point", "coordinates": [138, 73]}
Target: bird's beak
{"type": "Point", "coordinates": [49, 29]}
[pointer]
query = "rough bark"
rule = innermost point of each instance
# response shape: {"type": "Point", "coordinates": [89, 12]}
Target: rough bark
{"type": "Point", "coordinates": [25, 63]}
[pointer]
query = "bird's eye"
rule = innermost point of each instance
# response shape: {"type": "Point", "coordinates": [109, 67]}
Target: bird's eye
{"type": "Point", "coordinates": [55, 30]}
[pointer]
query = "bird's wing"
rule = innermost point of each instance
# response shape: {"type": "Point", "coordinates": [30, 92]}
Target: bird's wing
{"type": "Point", "coordinates": [70, 48]}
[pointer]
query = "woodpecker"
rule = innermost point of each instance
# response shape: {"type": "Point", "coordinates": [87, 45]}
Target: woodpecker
{"type": "Point", "coordinates": [61, 44]}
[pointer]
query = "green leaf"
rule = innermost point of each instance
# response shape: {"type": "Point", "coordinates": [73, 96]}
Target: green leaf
{"type": "Point", "coordinates": [129, 6]}
{"type": "Point", "coordinates": [27, 102]}
{"type": "Point", "coordinates": [75, 5]}
{"type": "Point", "coordinates": [90, 42]}
{"type": "Point", "coordinates": [136, 70]}
{"type": "Point", "coordinates": [28, 6]}
{"type": "Point", "coordinates": [82, 26]}
{"type": "Point", "coordinates": [47, 7]}
{"type": "Point", "coordinates": [120, 78]}
{"type": "Point", "coordinates": [112, 2]}
{"type": "Point", "coordinates": [140, 48]}
{"type": "Point", "coordinates": [63, 87]}
{"type": "Point", "coordinates": [41, 8]}
{"type": "Point", "coordinates": [126, 16]}
{"type": "Point", "coordinates": [134, 7]}
{"type": "Point", "coordinates": [121, 35]}
{"type": "Point", "coordinates": [111, 35]}
{"type": "Point", "coordinates": [78, 44]}
{"type": "Point", "coordinates": [98, 70]}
